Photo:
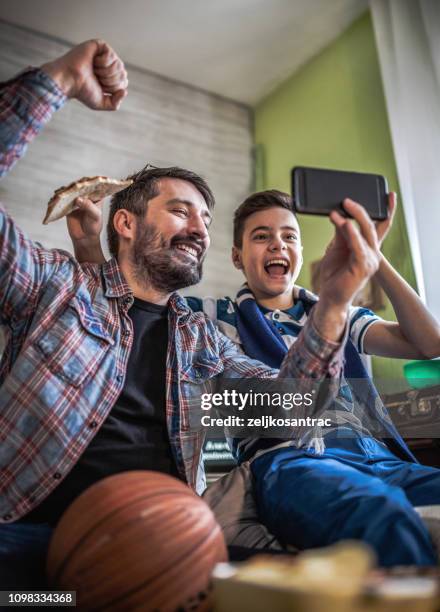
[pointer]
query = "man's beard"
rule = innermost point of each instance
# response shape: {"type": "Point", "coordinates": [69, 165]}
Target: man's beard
{"type": "Point", "coordinates": [155, 263]}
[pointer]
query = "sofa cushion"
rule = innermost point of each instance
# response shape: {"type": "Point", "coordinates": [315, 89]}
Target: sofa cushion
{"type": "Point", "coordinates": [431, 517]}
{"type": "Point", "coordinates": [231, 499]}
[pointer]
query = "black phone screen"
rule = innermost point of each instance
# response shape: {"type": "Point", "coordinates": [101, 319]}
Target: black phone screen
{"type": "Point", "coordinates": [319, 191]}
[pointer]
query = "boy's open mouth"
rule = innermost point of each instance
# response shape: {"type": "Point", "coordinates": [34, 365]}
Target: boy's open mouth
{"type": "Point", "coordinates": [276, 267]}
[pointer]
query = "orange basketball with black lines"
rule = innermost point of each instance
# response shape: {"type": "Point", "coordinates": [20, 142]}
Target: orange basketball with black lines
{"type": "Point", "coordinates": [137, 541]}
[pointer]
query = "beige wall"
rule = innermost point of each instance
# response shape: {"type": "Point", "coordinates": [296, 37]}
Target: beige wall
{"type": "Point", "coordinates": [161, 122]}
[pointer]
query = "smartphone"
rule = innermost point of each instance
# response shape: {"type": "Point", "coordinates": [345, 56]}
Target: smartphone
{"type": "Point", "coordinates": [318, 191]}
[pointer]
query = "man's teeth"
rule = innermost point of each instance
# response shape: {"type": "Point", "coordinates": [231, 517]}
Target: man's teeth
{"type": "Point", "coordinates": [188, 249]}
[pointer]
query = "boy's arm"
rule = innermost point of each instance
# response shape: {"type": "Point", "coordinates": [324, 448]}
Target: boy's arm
{"type": "Point", "coordinates": [91, 72]}
{"type": "Point", "coordinates": [85, 226]}
{"type": "Point", "coordinates": [416, 335]}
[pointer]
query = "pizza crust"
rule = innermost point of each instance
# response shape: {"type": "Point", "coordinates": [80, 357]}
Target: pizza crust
{"type": "Point", "coordinates": [93, 187]}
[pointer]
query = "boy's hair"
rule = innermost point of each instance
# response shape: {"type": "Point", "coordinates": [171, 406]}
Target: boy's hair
{"type": "Point", "coordinates": [145, 187]}
{"type": "Point", "coordinates": [255, 203]}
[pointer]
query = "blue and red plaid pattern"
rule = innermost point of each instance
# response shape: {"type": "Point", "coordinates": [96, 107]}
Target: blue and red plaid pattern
{"type": "Point", "coordinates": [27, 102]}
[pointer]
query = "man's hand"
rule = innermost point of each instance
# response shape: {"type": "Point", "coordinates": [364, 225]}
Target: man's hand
{"type": "Point", "coordinates": [351, 259]}
{"type": "Point", "coordinates": [92, 73]}
{"type": "Point", "coordinates": [383, 227]}
{"type": "Point", "coordinates": [85, 226]}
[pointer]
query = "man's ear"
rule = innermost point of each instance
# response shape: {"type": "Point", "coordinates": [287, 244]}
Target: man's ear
{"type": "Point", "coordinates": [236, 258]}
{"type": "Point", "coordinates": [124, 223]}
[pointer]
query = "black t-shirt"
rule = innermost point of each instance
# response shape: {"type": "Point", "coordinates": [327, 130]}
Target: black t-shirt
{"type": "Point", "coordinates": [134, 435]}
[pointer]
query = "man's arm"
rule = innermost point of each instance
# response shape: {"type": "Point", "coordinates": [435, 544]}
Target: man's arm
{"type": "Point", "coordinates": [311, 369]}
{"type": "Point", "coordinates": [26, 104]}
{"type": "Point", "coordinates": [24, 269]}
{"type": "Point", "coordinates": [91, 72]}
{"type": "Point", "coordinates": [310, 359]}
{"type": "Point", "coordinates": [416, 335]}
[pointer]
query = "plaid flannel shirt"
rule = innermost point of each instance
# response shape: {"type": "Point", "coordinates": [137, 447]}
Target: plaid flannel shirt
{"type": "Point", "coordinates": [27, 103]}
{"type": "Point", "coordinates": [68, 341]}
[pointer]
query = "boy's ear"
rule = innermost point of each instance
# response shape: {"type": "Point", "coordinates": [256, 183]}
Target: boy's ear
{"type": "Point", "coordinates": [236, 258]}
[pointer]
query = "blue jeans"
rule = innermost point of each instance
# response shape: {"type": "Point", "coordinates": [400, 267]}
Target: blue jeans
{"type": "Point", "coordinates": [23, 551]}
{"type": "Point", "coordinates": [356, 490]}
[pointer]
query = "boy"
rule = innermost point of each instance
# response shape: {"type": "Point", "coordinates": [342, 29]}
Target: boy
{"type": "Point", "coordinates": [358, 487]}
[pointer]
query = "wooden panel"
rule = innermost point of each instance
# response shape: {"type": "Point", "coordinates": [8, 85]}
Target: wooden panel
{"type": "Point", "coordinates": [161, 122]}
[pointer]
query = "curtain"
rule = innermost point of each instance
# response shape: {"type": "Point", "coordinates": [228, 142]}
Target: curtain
{"type": "Point", "coordinates": [408, 40]}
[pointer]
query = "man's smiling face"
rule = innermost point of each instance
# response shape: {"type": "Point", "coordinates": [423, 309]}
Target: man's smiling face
{"type": "Point", "coordinates": [271, 252]}
{"type": "Point", "coordinates": [172, 239]}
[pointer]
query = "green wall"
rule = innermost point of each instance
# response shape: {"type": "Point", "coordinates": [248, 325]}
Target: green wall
{"type": "Point", "coordinates": [331, 113]}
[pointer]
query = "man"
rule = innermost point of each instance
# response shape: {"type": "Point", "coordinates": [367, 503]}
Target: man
{"type": "Point", "coordinates": [73, 408]}
{"type": "Point", "coordinates": [356, 488]}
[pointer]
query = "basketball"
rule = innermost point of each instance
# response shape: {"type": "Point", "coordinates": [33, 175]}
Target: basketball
{"type": "Point", "coordinates": [137, 541]}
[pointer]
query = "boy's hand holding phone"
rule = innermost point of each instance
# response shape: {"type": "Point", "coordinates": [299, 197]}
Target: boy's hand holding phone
{"type": "Point", "coordinates": [351, 258]}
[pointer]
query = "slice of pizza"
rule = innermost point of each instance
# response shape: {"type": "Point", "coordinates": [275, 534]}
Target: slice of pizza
{"type": "Point", "coordinates": [93, 187]}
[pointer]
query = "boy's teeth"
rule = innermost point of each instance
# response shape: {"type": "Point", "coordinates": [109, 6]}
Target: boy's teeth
{"type": "Point", "coordinates": [276, 262]}
{"type": "Point", "coordinates": [276, 267]}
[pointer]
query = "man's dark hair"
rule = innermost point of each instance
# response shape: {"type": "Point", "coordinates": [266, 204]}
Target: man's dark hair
{"type": "Point", "coordinates": [145, 187]}
{"type": "Point", "coordinates": [255, 203]}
